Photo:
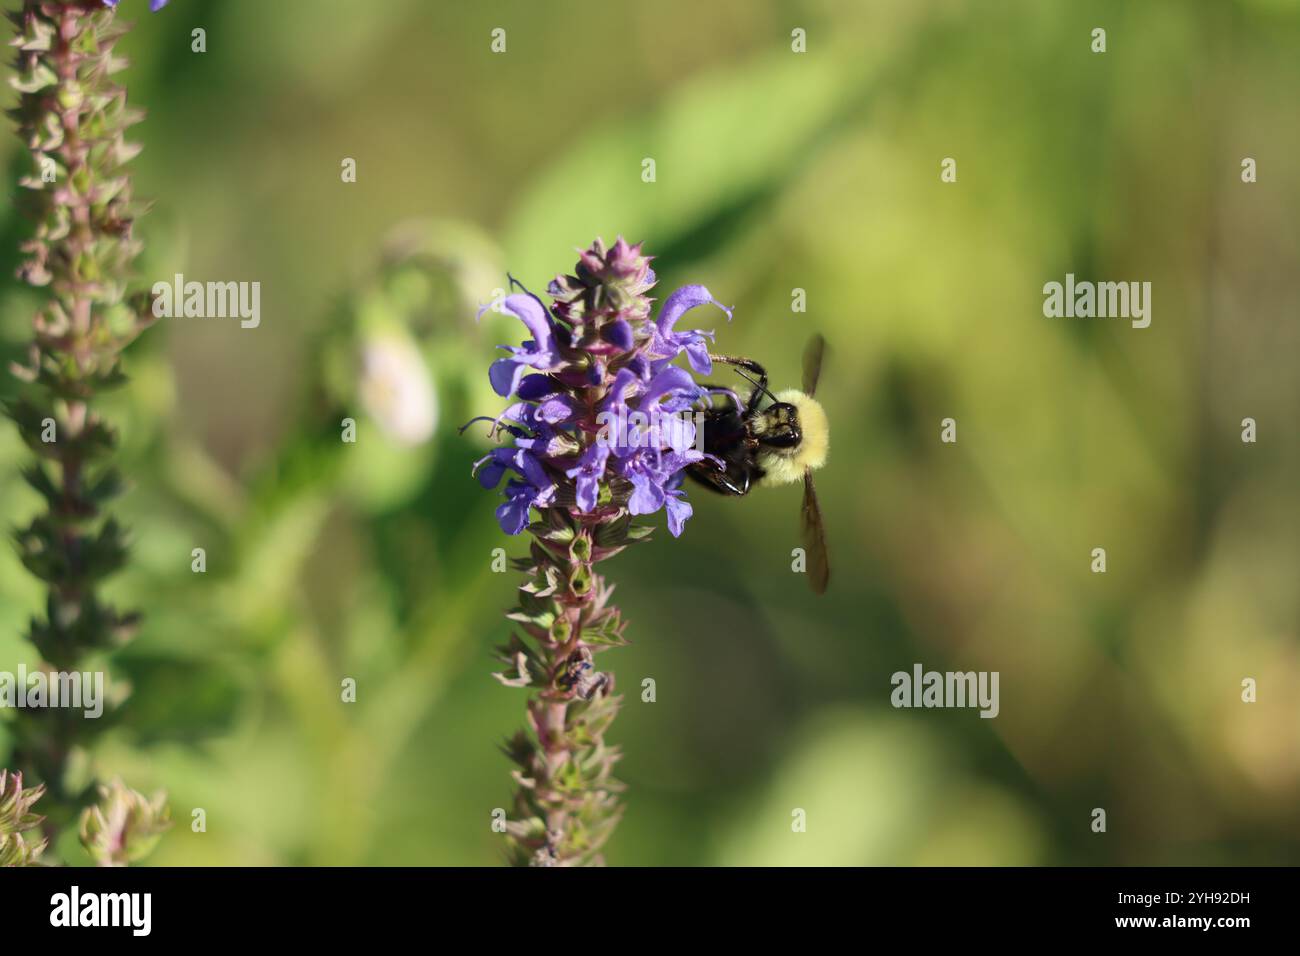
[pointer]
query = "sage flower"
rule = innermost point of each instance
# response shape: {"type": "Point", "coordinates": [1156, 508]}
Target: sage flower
{"type": "Point", "coordinates": [599, 432]}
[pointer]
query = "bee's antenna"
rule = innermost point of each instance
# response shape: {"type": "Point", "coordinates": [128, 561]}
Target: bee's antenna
{"type": "Point", "coordinates": [762, 388]}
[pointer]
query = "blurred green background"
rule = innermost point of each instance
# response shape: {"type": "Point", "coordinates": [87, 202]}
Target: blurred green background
{"type": "Point", "coordinates": [775, 171]}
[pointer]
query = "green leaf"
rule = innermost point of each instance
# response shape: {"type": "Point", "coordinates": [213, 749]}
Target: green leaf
{"type": "Point", "coordinates": [606, 632]}
{"type": "Point", "coordinates": [541, 618]}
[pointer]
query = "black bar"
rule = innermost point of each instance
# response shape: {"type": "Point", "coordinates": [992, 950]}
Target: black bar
{"type": "Point", "coordinates": [341, 906]}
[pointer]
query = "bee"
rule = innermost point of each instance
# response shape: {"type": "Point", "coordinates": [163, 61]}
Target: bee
{"type": "Point", "coordinates": [777, 444]}
{"type": "Point", "coordinates": [581, 677]}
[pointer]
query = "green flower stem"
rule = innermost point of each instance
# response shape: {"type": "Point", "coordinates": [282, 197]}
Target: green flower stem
{"type": "Point", "coordinates": [566, 802]}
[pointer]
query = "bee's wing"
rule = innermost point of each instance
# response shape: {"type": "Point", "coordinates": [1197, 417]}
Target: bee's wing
{"type": "Point", "coordinates": [814, 538]}
{"type": "Point", "coordinates": [813, 353]}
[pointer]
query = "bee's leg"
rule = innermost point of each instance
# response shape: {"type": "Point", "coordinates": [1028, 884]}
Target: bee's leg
{"type": "Point", "coordinates": [733, 487]}
{"type": "Point", "coordinates": [723, 390]}
{"type": "Point", "coordinates": [717, 479]}
{"type": "Point", "coordinates": [749, 365]}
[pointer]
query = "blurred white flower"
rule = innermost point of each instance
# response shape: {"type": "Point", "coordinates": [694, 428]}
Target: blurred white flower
{"type": "Point", "coordinates": [397, 389]}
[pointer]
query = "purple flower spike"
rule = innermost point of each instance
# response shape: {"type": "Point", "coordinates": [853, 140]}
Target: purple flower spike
{"type": "Point", "coordinates": [601, 429]}
{"type": "Point", "coordinates": [597, 394]}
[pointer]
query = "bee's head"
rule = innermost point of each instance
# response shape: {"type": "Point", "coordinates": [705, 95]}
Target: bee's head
{"type": "Point", "coordinates": [787, 465]}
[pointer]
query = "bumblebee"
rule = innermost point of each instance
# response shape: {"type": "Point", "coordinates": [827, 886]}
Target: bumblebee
{"type": "Point", "coordinates": [777, 444]}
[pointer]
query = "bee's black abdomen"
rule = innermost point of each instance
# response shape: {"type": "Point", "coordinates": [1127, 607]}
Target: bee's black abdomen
{"type": "Point", "coordinates": [726, 437]}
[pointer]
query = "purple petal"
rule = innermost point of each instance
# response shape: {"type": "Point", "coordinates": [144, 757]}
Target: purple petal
{"type": "Point", "coordinates": [527, 464]}
{"type": "Point", "coordinates": [557, 408]}
{"type": "Point", "coordinates": [588, 493]}
{"type": "Point", "coordinates": [697, 353]}
{"type": "Point", "coordinates": [669, 380]}
{"type": "Point", "coordinates": [647, 496]}
{"type": "Point", "coordinates": [624, 380]}
{"type": "Point", "coordinates": [512, 515]}
{"type": "Point", "coordinates": [677, 433]}
{"type": "Point", "coordinates": [530, 312]}
{"type": "Point", "coordinates": [490, 476]}
{"type": "Point", "coordinates": [592, 460]}
{"type": "Point", "coordinates": [504, 374]}
{"type": "Point", "coordinates": [520, 412]}
{"type": "Point", "coordinates": [679, 401]}
{"type": "Point", "coordinates": [681, 302]}
{"type": "Point", "coordinates": [620, 334]}
{"type": "Point", "coordinates": [679, 509]}
{"type": "Point", "coordinates": [535, 387]}
{"type": "Point", "coordinates": [589, 471]}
